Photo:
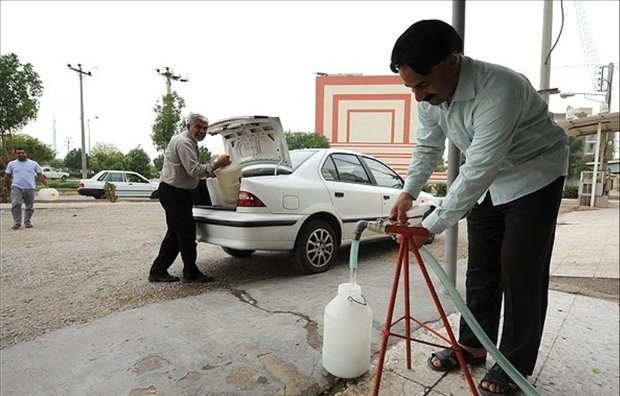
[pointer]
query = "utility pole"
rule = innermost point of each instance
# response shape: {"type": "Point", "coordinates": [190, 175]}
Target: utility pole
{"type": "Point", "coordinates": [68, 141]}
{"type": "Point", "coordinates": [88, 122]}
{"type": "Point", "coordinates": [608, 81]}
{"type": "Point", "coordinates": [54, 134]}
{"type": "Point", "coordinates": [545, 54]}
{"type": "Point", "coordinates": [169, 75]}
{"type": "Point", "coordinates": [82, 73]}
{"type": "Point", "coordinates": [604, 135]}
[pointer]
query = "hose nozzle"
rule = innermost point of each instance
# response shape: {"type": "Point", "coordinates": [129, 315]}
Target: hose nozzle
{"type": "Point", "coordinates": [360, 226]}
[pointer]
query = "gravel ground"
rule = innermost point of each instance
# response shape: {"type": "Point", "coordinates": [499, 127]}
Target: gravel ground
{"type": "Point", "coordinates": [80, 261]}
{"type": "Point", "coordinates": [85, 260]}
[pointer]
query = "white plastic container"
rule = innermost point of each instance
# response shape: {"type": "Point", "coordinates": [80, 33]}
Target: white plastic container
{"type": "Point", "coordinates": [48, 194]}
{"type": "Point", "coordinates": [347, 324]}
{"type": "Point", "coordinates": [228, 179]}
{"type": "Point", "coordinates": [216, 195]}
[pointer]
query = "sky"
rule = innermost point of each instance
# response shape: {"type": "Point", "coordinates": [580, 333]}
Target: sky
{"type": "Point", "coordinates": [261, 57]}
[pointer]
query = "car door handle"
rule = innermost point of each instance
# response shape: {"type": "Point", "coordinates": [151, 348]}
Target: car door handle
{"type": "Point", "coordinates": [339, 195]}
{"type": "Point", "coordinates": [386, 197]}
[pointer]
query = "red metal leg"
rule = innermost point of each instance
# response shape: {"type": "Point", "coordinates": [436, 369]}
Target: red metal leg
{"type": "Point", "coordinates": [403, 252]}
{"type": "Point", "coordinates": [407, 244]}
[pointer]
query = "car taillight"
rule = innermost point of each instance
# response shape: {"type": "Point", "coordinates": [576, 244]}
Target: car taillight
{"type": "Point", "coordinates": [81, 185]}
{"type": "Point", "coordinates": [249, 200]}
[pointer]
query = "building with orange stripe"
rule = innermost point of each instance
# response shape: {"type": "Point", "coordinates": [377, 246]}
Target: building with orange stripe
{"type": "Point", "coordinates": [375, 115]}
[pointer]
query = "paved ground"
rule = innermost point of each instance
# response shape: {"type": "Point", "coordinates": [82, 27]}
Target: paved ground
{"type": "Point", "coordinates": [260, 341]}
{"type": "Point", "coordinates": [580, 350]}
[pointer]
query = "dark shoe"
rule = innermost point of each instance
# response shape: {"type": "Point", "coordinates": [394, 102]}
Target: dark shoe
{"type": "Point", "coordinates": [28, 225]}
{"type": "Point", "coordinates": [163, 278]}
{"type": "Point", "coordinates": [202, 278]}
{"type": "Point", "coordinates": [503, 384]}
{"type": "Point", "coordinates": [16, 227]}
{"type": "Point", "coordinates": [448, 360]}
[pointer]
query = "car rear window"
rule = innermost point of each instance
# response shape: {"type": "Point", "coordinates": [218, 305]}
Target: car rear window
{"type": "Point", "coordinates": [298, 157]}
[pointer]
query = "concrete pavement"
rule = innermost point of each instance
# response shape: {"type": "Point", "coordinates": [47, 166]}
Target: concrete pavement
{"type": "Point", "coordinates": [260, 341]}
{"type": "Point", "coordinates": [579, 354]}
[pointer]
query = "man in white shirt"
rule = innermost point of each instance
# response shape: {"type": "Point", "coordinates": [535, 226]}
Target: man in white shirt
{"type": "Point", "coordinates": [510, 188]}
{"type": "Point", "coordinates": [20, 173]}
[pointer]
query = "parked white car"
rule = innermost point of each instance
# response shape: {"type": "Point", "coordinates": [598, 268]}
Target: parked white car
{"type": "Point", "coordinates": [51, 173]}
{"type": "Point", "coordinates": [128, 185]}
{"type": "Point", "coordinates": [303, 201]}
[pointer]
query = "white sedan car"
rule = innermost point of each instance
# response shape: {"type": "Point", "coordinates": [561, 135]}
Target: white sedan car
{"type": "Point", "coordinates": [128, 185]}
{"type": "Point", "coordinates": [51, 173]}
{"type": "Point", "coordinates": [303, 201]}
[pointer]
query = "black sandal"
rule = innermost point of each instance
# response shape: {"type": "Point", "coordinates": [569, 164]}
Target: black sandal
{"type": "Point", "coordinates": [500, 379]}
{"type": "Point", "coordinates": [448, 360]}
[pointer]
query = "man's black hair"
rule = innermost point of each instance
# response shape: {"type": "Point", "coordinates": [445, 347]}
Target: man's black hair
{"type": "Point", "coordinates": [425, 44]}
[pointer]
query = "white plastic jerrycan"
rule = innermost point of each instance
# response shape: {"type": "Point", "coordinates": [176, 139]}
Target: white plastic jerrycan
{"type": "Point", "coordinates": [48, 194]}
{"type": "Point", "coordinates": [347, 333]}
{"type": "Point", "coordinates": [228, 180]}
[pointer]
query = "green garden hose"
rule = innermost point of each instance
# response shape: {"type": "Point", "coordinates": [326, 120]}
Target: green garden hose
{"type": "Point", "coordinates": [475, 326]}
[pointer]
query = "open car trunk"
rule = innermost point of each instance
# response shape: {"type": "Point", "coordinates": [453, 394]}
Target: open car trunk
{"type": "Point", "coordinates": [255, 143]}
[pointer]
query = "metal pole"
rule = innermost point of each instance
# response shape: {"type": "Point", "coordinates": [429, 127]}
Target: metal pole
{"type": "Point", "coordinates": [88, 123]}
{"type": "Point", "coordinates": [81, 73]}
{"type": "Point", "coordinates": [610, 76]}
{"type": "Point", "coordinates": [84, 173]}
{"type": "Point", "coordinates": [454, 156]}
{"type": "Point", "coordinates": [596, 156]}
{"type": "Point", "coordinates": [545, 56]}
{"type": "Point", "coordinates": [605, 135]}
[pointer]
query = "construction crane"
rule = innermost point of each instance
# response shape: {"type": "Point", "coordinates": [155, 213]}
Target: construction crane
{"type": "Point", "coordinates": [589, 50]}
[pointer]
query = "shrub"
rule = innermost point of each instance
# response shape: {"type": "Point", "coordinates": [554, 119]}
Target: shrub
{"type": "Point", "coordinates": [570, 192]}
{"type": "Point", "coordinates": [110, 191]}
{"type": "Point", "coordinates": [441, 189]}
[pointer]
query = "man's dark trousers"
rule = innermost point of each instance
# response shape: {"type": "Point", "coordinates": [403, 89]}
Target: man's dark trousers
{"type": "Point", "coordinates": [181, 233]}
{"type": "Point", "coordinates": [510, 248]}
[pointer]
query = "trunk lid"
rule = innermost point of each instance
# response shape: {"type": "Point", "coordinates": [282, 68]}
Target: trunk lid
{"type": "Point", "coordinates": [253, 141]}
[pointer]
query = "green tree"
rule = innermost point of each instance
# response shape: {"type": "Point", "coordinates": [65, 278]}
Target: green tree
{"type": "Point", "coordinates": [20, 89]}
{"type": "Point", "coordinates": [575, 156]}
{"type": "Point", "coordinates": [138, 160]}
{"type": "Point", "coordinates": [204, 155]}
{"type": "Point", "coordinates": [158, 162]}
{"type": "Point", "coordinates": [36, 149]}
{"type": "Point", "coordinates": [55, 163]}
{"type": "Point", "coordinates": [168, 120]}
{"type": "Point", "coordinates": [299, 140]}
{"type": "Point", "coordinates": [106, 156]}
{"type": "Point", "coordinates": [73, 160]}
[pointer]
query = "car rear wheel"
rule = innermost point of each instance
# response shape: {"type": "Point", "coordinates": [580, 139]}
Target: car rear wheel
{"type": "Point", "coordinates": [237, 253]}
{"type": "Point", "coordinates": [99, 194]}
{"type": "Point", "coordinates": [315, 248]}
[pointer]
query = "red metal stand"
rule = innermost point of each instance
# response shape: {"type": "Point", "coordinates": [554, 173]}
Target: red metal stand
{"type": "Point", "coordinates": [407, 243]}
